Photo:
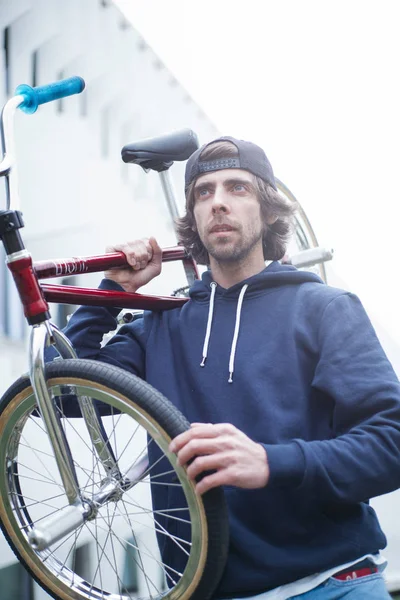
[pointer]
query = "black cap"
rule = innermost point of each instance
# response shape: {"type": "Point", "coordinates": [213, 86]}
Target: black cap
{"type": "Point", "coordinates": [250, 157]}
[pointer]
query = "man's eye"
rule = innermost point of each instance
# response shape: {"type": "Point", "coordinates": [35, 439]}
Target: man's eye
{"type": "Point", "coordinates": [239, 187]}
{"type": "Point", "coordinates": [203, 192]}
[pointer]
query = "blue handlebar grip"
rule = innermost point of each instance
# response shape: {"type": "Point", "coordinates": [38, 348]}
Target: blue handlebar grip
{"type": "Point", "coordinates": [47, 93]}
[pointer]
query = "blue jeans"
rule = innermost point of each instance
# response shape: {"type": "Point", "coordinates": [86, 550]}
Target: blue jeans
{"type": "Point", "coordinates": [371, 587]}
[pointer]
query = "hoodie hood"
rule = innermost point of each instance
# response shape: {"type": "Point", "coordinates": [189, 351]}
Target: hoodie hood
{"type": "Point", "coordinates": [275, 275]}
{"type": "Point", "coordinates": [207, 290]}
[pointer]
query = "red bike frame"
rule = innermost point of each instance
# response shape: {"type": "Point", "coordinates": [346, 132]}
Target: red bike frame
{"type": "Point", "coordinates": [34, 296]}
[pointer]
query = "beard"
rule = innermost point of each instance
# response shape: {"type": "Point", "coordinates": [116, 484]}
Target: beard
{"type": "Point", "coordinates": [226, 250]}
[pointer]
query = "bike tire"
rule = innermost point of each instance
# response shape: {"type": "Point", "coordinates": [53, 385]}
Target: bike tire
{"type": "Point", "coordinates": [130, 404]}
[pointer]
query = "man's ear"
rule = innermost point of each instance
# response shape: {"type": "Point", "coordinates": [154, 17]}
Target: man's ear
{"type": "Point", "coordinates": [272, 219]}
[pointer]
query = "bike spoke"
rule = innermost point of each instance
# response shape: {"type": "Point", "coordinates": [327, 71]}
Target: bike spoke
{"type": "Point", "coordinates": [139, 552]}
{"type": "Point", "coordinates": [113, 567]}
{"type": "Point", "coordinates": [129, 441]}
{"type": "Point", "coordinates": [53, 551]}
{"type": "Point", "coordinates": [36, 453]}
{"type": "Point", "coordinates": [160, 483]}
{"type": "Point", "coordinates": [36, 502]}
{"type": "Point", "coordinates": [112, 544]}
{"type": "Point", "coordinates": [159, 512]}
{"type": "Point", "coordinates": [163, 474]}
{"type": "Point", "coordinates": [163, 531]}
{"type": "Point", "coordinates": [73, 428]}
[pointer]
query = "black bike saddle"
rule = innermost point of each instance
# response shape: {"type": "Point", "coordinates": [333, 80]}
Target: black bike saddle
{"type": "Point", "coordinates": [159, 153]}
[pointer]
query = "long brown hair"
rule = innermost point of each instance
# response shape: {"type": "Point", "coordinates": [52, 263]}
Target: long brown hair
{"type": "Point", "coordinates": [273, 204]}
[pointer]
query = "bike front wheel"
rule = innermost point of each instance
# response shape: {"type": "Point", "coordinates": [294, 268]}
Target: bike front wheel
{"type": "Point", "coordinates": [152, 539]}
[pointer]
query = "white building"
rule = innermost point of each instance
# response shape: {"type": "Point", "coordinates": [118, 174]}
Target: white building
{"type": "Point", "coordinates": [76, 194]}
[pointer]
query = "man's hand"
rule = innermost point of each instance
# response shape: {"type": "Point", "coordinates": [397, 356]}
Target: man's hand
{"type": "Point", "coordinates": [144, 260]}
{"type": "Point", "coordinates": [222, 448]}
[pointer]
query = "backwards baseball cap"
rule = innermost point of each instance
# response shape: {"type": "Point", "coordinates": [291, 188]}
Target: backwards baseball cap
{"type": "Point", "coordinates": [250, 157]}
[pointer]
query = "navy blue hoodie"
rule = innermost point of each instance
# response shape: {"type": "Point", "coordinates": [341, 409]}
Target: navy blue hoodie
{"type": "Point", "coordinates": [310, 382]}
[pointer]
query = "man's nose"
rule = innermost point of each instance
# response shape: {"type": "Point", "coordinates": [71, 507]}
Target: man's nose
{"type": "Point", "coordinates": [220, 202]}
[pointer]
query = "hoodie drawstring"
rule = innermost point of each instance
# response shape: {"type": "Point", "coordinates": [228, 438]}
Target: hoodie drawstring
{"type": "Point", "coordinates": [236, 331]}
{"type": "Point", "coordinates": [209, 321]}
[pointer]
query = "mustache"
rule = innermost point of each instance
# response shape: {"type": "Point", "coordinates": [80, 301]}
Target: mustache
{"type": "Point", "coordinates": [221, 223]}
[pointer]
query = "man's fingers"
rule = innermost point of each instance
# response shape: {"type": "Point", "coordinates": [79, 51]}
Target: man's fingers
{"type": "Point", "coordinates": [197, 430]}
{"type": "Point", "coordinates": [212, 462]}
{"type": "Point", "coordinates": [143, 258]}
{"type": "Point", "coordinates": [154, 248]}
{"type": "Point", "coordinates": [138, 253]}
{"type": "Point", "coordinates": [201, 447]}
{"type": "Point", "coordinates": [213, 480]}
{"type": "Point", "coordinates": [236, 459]}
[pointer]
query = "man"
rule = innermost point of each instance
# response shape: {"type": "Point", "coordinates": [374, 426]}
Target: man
{"type": "Point", "coordinates": [294, 407]}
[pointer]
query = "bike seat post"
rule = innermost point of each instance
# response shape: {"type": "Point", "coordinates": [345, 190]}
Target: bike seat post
{"type": "Point", "coordinates": [169, 193]}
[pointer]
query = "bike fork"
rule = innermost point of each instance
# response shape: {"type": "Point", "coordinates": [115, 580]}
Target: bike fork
{"type": "Point", "coordinates": [80, 508]}
{"type": "Point", "coordinates": [72, 516]}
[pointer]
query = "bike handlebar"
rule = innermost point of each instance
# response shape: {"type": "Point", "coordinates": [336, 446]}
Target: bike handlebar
{"type": "Point", "coordinates": [33, 97]}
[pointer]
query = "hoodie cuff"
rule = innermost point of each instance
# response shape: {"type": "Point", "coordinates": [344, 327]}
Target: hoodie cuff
{"type": "Point", "coordinates": [109, 284]}
{"type": "Point", "coordinates": [286, 464]}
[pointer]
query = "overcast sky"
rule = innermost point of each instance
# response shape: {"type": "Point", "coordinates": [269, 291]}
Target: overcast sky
{"type": "Point", "coordinates": [316, 84]}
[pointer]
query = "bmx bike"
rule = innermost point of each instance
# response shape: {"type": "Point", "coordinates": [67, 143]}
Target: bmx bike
{"type": "Point", "coordinates": [84, 444]}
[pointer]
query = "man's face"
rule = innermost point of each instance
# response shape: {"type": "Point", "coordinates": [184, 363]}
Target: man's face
{"type": "Point", "coordinates": [228, 215]}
